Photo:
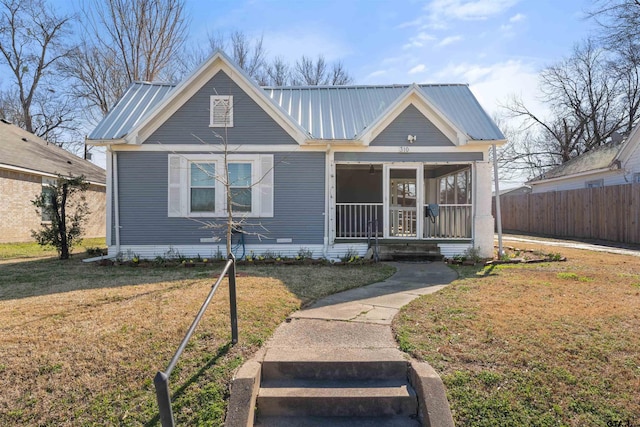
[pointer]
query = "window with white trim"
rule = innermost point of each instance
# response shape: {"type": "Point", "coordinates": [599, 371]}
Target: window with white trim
{"type": "Point", "coordinates": [49, 193]}
{"type": "Point", "coordinates": [596, 183]}
{"type": "Point", "coordinates": [221, 111]}
{"type": "Point", "coordinates": [202, 187]}
{"type": "Point", "coordinates": [196, 185]}
{"type": "Point", "coordinates": [240, 186]}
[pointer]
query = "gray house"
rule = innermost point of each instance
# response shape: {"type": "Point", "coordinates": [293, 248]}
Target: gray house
{"type": "Point", "coordinates": [314, 168]}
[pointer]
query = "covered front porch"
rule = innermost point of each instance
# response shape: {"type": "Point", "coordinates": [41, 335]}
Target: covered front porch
{"type": "Point", "coordinates": [403, 202]}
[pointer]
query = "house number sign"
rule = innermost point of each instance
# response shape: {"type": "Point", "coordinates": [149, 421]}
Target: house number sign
{"type": "Point", "coordinates": [404, 149]}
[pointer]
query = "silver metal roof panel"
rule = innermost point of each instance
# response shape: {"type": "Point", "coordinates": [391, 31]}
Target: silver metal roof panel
{"type": "Point", "coordinates": [325, 112]}
{"type": "Point", "coordinates": [139, 99]}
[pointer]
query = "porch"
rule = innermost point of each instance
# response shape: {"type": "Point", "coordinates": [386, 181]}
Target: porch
{"type": "Point", "coordinates": [403, 202]}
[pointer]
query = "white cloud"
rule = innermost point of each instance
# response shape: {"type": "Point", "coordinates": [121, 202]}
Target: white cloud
{"type": "Point", "coordinates": [494, 84]}
{"type": "Point", "coordinates": [377, 73]}
{"type": "Point", "coordinates": [418, 69]}
{"type": "Point", "coordinates": [449, 40]}
{"type": "Point", "coordinates": [517, 18]}
{"type": "Point", "coordinates": [466, 10]}
{"type": "Point", "coordinates": [419, 40]}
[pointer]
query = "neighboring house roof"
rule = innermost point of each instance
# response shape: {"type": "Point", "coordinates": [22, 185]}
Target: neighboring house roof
{"type": "Point", "coordinates": [324, 112]}
{"type": "Point", "coordinates": [523, 189]}
{"type": "Point", "coordinates": [598, 159]}
{"type": "Point", "coordinates": [21, 150]}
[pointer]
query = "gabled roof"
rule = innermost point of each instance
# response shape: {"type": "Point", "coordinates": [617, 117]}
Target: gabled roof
{"type": "Point", "coordinates": [21, 150]}
{"type": "Point", "coordinates": [139, 99]}
{"type": "Point", "coordinates": [595, 160]}
{"type": "Point", "coordinates": [343, 112]}
{"type": "Point", "coordinates": [320, 112]}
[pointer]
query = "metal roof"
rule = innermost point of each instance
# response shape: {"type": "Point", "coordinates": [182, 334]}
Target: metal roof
{"type": "Point", "coordinates": [24, 150]}
{"type": "Point", "coordinates": [139, 99]}
{"type": "Point", "coordinates": [342, 112]}
{"type": "Point", "coordinates": [325, 112]}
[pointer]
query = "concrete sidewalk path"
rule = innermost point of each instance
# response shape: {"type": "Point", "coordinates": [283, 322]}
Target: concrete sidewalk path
{"type": "Point", "coordinates": [359, 318]}
{"type": "Point", "coordinates": [345, 339]}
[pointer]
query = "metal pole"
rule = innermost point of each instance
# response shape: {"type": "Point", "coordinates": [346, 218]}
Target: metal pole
{"type": "Point", "coordinates": [232, 300]}
{"type": "Point", "coordinates": [161, 381]}
{"type": "Point", "coordinates": [498, 213]}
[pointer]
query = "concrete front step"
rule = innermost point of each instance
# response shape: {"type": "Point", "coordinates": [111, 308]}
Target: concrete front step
{"type": "Point", "coordinates": [338, 422]}
{"type": "Point", "coordinates": [373, 398]}
{"type": "Point", "coordinates": [346, 364]}
{"type": "Point", "coordinates": [409, 251]}
{"type": "Point", "coordinates": [327, 370]}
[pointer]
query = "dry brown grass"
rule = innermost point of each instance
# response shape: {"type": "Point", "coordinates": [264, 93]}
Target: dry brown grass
{"type": "Point", "coordinates": [541, 344]}
{"type": "Point", "coordinates": [80, 344]}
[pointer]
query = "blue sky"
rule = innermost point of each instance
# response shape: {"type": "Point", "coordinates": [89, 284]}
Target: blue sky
{"type": "Point", "coordinates": [496, 46]}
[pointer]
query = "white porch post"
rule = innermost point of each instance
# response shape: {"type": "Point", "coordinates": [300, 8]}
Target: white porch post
{"type": "Point", "coordinates": [483, 220]}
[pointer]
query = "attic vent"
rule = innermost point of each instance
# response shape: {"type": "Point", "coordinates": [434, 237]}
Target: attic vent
{"type": "Point", "coordinates": [221, 111]}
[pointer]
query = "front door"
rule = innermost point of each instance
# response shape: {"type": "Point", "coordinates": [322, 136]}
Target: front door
{"type": "Point", "coordinates": [402, 219]}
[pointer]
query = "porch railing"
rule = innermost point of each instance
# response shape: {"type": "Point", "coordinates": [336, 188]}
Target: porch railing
{"type": "Point", "coordinates": [452, 222]}
{"type": "Point", "coordinates": [352, 219]}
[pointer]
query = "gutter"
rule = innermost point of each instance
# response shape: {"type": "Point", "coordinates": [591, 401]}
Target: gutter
{"type": "Point", "coordinates": [575, 175]}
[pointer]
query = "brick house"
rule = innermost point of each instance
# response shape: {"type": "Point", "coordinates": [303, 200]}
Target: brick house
{"type": "Point", "coordinates": [27, 165]}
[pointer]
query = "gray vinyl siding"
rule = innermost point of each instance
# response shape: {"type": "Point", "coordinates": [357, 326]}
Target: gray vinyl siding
{"type": "Point", "coordinates": [407, 157]}
{"type": "Point", "coordinates": [411, 122]}
{"type": "Point", "coordinates": [190, 124]}
{"type": "Point", "coordinates": [298, 203]}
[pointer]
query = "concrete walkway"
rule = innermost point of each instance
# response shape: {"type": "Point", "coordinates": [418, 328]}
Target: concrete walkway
{"type": "Point", "coordinates": [361, 317]}
{"type": "Point", "coordinates": [621, 249]}
{"type": "Point", "coordinates": [352, 328]}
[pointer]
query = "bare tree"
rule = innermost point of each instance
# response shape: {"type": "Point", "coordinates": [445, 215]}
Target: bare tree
{"type": "Point", "coordinates": [251, 56]}
{"type": "Point", "coordinates": [32, 43]}
{"type": "Point", "coordinates": [586, 105]}
{"type": "Point", "coordinates": [278, 72]}
{"type": "Point", "coordinates": [125, 41]}
{"type": "Point", "coordinates": [619, 21]}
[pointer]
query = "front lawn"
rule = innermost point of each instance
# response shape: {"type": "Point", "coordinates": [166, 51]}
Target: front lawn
{"type": "Point", "coordinates": [552, 344]}
{"type": "Point", "coordinates": [80, 343]}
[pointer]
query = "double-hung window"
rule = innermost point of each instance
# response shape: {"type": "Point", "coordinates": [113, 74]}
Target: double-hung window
{"type": "Point", "coordinates": [240, 186]}
{"type": "Point", "coordinates": [198, 184]}
{"type": "Point", "coordinates": [48, 193]}
{"type": "Point", "coordinates": [202, 183]}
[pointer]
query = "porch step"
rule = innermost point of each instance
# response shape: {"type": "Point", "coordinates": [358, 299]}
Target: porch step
{"type": "Point", "coordinates": [333, 398]}
{"type": "Point", "coordinates": [354, 388]}
{"type": "Point", "coordinates": [393, 421]}
{"type": "Point", "coordinates": [410, 252]}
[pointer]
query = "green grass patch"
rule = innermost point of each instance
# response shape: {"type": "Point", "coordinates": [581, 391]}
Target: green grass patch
{"type": "Point", "coordinates": [547, 344]}
{"type": "Point", "coordinates": [81, 343]}
{"type": "Point", "coordinates": [33, 250]}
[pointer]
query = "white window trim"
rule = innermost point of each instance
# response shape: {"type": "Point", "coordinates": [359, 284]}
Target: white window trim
{"type": "Point", "coordinates": [216, 188]}
{"type": "Point", "coordinates": [47, 183]}
{"type": "Point", "coordinates": [229, 121]}
{"type": "Point", "coordinates": [260, 180]}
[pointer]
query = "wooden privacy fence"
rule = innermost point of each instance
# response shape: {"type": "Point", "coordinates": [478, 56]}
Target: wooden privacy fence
{"type": "Point", "coordinates": [606, 213]}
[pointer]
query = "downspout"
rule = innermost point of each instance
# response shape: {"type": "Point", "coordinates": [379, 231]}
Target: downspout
{"type": "Point", "coordinates": [116, 200]}
{"type": "Point", "coordinates": [498, 213]}
{"type": "Point", "coordinates": [327, 196]}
